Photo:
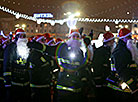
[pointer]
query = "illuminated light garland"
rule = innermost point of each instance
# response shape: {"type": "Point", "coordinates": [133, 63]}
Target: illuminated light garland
{"type": "Point", "coordinates": [116, 21]}
{"type": "Point", "coordinates": [61, 22]}
{"type": "Point", "coordinates": [99, 13]}
{"type": "Point", "coordinates": [17, 14]}
{"type": "Point", "coordinates": [39, 21]}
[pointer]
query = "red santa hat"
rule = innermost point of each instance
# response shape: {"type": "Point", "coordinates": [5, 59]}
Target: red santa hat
{"type": "Point", "coordinates": [108, 36]}
{"type": "Point", "coordinates": [31, 38]}
{"type": "Point", "coordinates": [48, 41]}
{"type": "Point", "coordinates": [4, 40]}
{"type": "Point", "coordinates": [47, 35]}
{"type": "Point", "coordinates": [20, 31]}
{"type": "Point", "coordinates": [74, 31]}
{"type": "Point", "coordinates": [58, 40]}
{"type": "Point", "coordinates": [124, 33]}
{"type": "Point", "coordinates": [39, 37]}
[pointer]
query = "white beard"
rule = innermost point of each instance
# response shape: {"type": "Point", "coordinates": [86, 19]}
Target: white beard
{"type": "Point", "coordinates": [133, 49]}
{"type": "Point", "coordinates": [73, 43]}
{"type": "Point", "coordinates": [90, 48]}
{"type": "Point", "coordinates": [22, 48]}
{"type": "Point", "coordinates": [77, 46]}
{"type": "Point", "coordinates": [113, 46]}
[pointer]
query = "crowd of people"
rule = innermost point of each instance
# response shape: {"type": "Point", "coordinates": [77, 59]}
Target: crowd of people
{"type": "Point", "coordinates": [44, 69]}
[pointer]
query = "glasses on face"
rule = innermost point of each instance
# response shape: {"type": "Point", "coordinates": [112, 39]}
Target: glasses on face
{"type": "Point", "coordinates": [76, 36]}
{"type": "Point", "coordinates": [22, 36]}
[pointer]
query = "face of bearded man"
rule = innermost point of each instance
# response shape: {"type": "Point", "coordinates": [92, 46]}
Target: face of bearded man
{"type": "Point", "coordinates": [76, 46]}
{"type": "Point", "coordinates": [113, 46]}
{"type": "Point", "coordinates": [22, 48]}
{"type": "Point", "coordinates": [74, 43]}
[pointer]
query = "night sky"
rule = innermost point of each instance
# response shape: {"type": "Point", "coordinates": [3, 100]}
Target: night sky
{"type": "Point", "coordinates": [87, 8]}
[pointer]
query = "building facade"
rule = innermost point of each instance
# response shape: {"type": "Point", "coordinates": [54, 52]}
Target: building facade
{"type": "Point", "coordinates": [8, 25]}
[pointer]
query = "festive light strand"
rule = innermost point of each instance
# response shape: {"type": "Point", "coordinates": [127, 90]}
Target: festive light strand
{"type": "Point", "coordinates": [108, 20]}
{"type": "Point", "coordinates": [61, 22]}
{"type": "Point", "coordinates": [39, 21]}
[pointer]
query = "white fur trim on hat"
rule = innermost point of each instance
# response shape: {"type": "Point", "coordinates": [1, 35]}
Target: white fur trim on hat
{"type": "Point", "coordinates": [40, 38]}
{"type": "Point", "coordinates": [20, 33]}
{"type": "Point", "coordinates": [108, 39]}
{"type": "Point", "coordinates": [58, 42]}
{"type": "Point", "coordinates": [50, 41]}
{"type": "Point", "coordinates": [125, 35]}
{"type": "Point", "coordinates": [5, 41]}
{"type": "Point", "coordinates": [74, 33]}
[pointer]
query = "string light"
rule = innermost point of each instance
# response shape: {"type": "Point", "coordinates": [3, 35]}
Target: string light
{"type": "Point", "coordinates": [116, 21]}
{"type": "Point", "coordinates": [39, 21]}
{"type": "Point", "coordinates": [61, 22]}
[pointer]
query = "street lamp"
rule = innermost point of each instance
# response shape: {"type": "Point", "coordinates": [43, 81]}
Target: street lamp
{"type": "Point", "coordinates": [68, 13]}
{"type": "Point", "coordinates": [120, 26]}
{"type": "Point", "coordinates": [126, 26]}
{"type": "Point", "coordinates": [77, 14]}
{"type": "Point", "coordinates": [17, 25]}
{"type": "Point", "coordinates": [23, 25]}
{"type": "Point", "coordinates": [72, 15]}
